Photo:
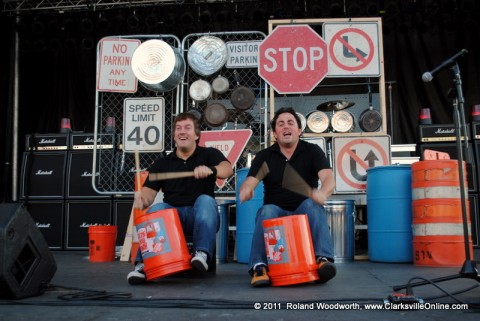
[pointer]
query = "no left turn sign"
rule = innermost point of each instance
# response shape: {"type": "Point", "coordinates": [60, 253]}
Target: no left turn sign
{"type": "Point", "coordinates": [353, 49]}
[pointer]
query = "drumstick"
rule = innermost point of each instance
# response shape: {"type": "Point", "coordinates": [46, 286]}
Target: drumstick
{"type": "Point", "coordinates": [294, 182]}
{"type": "Point", "coordinates": [137, 169]}
{"type": "Point", "coordinates": [169, 175]}
{"type": "Point", "coordinates": [262, 172]}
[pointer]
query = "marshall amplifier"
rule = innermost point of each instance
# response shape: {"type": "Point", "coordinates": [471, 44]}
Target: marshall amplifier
{"type": "Point", "coordinates": [46, 142]}
{"type": "Point", "coordinates": [49, 218]}
{"type": "Point", "coordinates": [87, 141]}
{"type": "Point", "coordinates": [122, 210]}
{"type": "Point", "coordinates": [125, 171]}
{"type": "Point", "coordinates": [440, 133]}
{"type": "Point", "coordinates": [449, 151]}
{"type": "Point", "coordinates": [80, 215]}
{"type": "Point", "coordinates": [476, 130]}
{"type": "Point", "coordinates": [43, 175]}
{"type": "Point", "coordinates": [80, 172]}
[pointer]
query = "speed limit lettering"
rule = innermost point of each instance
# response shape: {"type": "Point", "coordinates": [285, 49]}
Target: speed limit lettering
{"type": "Point", "coordinates": [144, 124]}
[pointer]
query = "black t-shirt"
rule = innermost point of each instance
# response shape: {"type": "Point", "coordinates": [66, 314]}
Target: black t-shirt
{"type": "Point", "coordinates": [307, 160]}
{"type": "Point", "coordinates": [184, 191]}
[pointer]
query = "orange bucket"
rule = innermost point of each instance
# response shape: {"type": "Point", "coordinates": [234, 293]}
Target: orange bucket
{"type": "Point", "coordinates": [289, 249]}
{"type": "Point", "coordinates": [162, 243]}
{"type": "Point", "coordinates": [437, 225]}
{"type": "Point", "coordinates": [102, 240]}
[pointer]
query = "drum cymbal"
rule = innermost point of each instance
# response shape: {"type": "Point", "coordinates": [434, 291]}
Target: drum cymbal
{"type": "Point", "coordinates": [334, 105]}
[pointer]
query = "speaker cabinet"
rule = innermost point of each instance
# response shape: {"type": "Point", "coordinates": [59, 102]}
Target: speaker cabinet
{"type": "Point", "coordinates": [125, 170]}
{"type": "Point", "coordinates": [80, 215]}
{"type": "Point", "coordinates": [49, 218]}
{"type": "Point", "coordinates": [43, 175]}
{"type": "Point", "coordinates": [451, 150]}
{"type": "Point", "coordinates": [121, 215]}
{"type": "Point", "coordinates": [26, 263]}
{"type": "Point", "coordinates": [79, 177]}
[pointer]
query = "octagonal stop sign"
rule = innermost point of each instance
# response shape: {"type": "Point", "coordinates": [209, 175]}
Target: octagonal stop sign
{"type": "Point", "coordinates": [293, 59]}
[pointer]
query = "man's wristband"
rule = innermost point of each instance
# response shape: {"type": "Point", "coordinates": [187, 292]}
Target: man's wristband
{"type": "Point", "coordinates": [214, 171]}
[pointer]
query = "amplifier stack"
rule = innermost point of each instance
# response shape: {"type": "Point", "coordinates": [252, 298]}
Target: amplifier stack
{"type": "Point", "coordinates": [56, 186]}
{"type": "Point", "coordinates": [439, 142]}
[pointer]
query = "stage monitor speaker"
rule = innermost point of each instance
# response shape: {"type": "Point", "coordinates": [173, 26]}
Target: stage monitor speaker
{"type": "Point", "coordinates": [26, 264]}
{"type": "Point", "coordinates": [43, 175]}
{"type": "Point", "coordinates": [449, 151]}
{"type": "Point", "coordinates": [80, 216]}
{"type": "Point", "coordinates": [49, 218]}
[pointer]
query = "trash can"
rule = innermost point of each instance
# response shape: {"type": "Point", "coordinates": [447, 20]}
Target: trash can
{"type": "Point", "coordinates": [341, 219]}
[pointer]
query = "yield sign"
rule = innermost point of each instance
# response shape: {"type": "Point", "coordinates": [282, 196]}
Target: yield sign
{"type": "Point", "coordinates": [230, 142]}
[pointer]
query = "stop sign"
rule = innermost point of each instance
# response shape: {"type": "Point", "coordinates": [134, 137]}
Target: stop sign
{"type": "Point", "coordinates": [293, 59]}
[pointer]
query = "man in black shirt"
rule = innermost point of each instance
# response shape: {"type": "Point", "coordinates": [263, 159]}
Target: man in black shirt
{"type": "Point", "coordinates": [193, 197]}
{"type": "Point", "coordinates": [310, 162]}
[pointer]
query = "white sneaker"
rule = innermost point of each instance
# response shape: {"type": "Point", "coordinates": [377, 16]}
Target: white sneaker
{"type": "Point", "coordinates": [137, 276]}
{"type": "Point", "coordinates": [199, 261]}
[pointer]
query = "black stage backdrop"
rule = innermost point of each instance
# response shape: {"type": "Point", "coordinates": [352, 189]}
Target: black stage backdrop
{"type": "Point", "coordinates": [57, 71]}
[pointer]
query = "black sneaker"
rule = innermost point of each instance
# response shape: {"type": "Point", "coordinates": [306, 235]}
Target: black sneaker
{"type": "Point", "coordinates": [326, 270]}
{"type": "Point", "coordinates": [137, 276]}
{"type": "Point", "coordinates": [260, 276]}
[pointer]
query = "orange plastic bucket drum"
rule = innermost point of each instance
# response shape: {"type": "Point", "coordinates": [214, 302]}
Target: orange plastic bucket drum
{"type": "Point", "coordinates": [102, 239]}
{"type": "Point", "coordinates": [437, 225]}
{"type": "Point", "coordinates": [162, 243]}
{"type": "Point", "coordinates": [289, 249]}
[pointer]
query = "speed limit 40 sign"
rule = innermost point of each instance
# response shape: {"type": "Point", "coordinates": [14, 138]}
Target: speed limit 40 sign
{"type": "Point", "coordinates": [144, 124]}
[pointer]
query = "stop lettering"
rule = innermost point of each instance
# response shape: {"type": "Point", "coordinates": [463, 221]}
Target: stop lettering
{"type": "Point", "coordinates": [293, 59]}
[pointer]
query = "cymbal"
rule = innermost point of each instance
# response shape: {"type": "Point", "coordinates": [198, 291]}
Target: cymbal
{"type": "Point", "coordinates": [334, 105]}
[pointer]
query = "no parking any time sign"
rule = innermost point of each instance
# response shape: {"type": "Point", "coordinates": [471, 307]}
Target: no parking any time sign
{"type": "Point", "coordinates": [353, 156]}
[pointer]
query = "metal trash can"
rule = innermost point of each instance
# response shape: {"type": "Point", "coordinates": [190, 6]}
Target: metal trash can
{"type": "Point", "coordinates": [341, 219]}
{"type": "Point", "coordinates": [222, 234]}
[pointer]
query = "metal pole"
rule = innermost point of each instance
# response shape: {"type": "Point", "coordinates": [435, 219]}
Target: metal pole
{"type": "Point", "coordinates": [15, 120]}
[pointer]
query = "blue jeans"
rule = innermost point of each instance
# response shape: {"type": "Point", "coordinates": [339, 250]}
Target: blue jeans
{"type": "Point", "coordinates": [319, 229]}
{"type": "Point", "coordinates": [201, 221]}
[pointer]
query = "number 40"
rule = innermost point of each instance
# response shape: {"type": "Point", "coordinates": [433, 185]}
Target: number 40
{"type": "Point", "coordinates": [151, 135]}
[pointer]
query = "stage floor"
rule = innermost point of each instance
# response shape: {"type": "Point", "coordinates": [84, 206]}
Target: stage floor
{"type": "Point", "coordinates": [82, 290]}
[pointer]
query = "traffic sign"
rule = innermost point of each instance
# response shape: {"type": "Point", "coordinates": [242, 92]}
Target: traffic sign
{"type": "Point", "coordinates": [115, 73]}
{"type": "Point", "coordinates": [353, 156]}
{"type": "Point", "coordinates": [293, 59]}
{"type": "Point", "coordinates": [353, 49]}
{"type": "Point", "coordinates": [230, 142]}
{"type": "Point", "coordinates": [143, 124]}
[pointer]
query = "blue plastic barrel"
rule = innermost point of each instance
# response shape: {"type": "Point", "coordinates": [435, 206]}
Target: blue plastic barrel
{"type": "Point", "coordinates": [246, 213]}
{"type": "Point", "coordinates": [389, 213]}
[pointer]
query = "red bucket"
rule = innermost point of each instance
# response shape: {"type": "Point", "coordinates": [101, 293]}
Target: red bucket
{"type": "Point", "coordinates": [162, 243]}
{"type": "Point", "coordinates": [289, 249]}
{"type": "Point", "coordinates": [102, 239]}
